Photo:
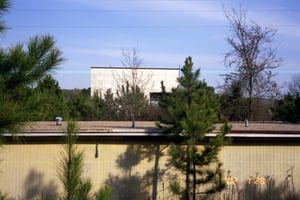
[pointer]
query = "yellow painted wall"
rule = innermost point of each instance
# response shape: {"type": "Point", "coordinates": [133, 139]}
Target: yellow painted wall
{"type": "Point", "coordinates": [260, 161]}
{"type": "Point", "coordinates": [30, 169]}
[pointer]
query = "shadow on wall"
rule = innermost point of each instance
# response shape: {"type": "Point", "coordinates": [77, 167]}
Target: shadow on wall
{"type": "Point", "coordinates": [129, 186]}
{"type": "Point", "coordinates": [35, 187]}
{"type": "Point", "coordinates": [154, 176]}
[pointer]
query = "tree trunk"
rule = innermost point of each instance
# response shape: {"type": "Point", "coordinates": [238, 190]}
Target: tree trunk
{"type": "Point", "coordinates": [155, 172]}
{"type": "Point", "coordinates": [194, 181]}
{"type": "Point", "coordinates": [69, 189]}
{"type": "Point", "coordinates": [187, 171]}
{"type": "Point", "coordinates": [250, 113]}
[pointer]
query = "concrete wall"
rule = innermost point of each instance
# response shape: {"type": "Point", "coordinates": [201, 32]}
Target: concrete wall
{"type": "Point", "coordinates": [28, 170]}
{"type": "Point", "coordinates": [104, 78]}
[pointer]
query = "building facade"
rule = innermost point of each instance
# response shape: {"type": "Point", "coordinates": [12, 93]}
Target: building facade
{"type": "Point", "coordinates": [148, 79]}
{"type": "Point", "coordinates": [261, 163]}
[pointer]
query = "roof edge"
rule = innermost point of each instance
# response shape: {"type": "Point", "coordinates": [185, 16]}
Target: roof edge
{"type": "Point", "coordinates": [157, 68]}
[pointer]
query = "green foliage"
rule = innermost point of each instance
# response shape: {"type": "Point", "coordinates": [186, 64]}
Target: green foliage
{"type": "Point", "coordinates": [99, 107]}
{"type": "Point", "coordinates": [190, 112]}
{"type": "Point", "coordinates": [190, 101]}
{"type": "Point", "coordinates": [104, 193]}
{"type": "Point", "coordinates": [82, 107]}
{"type": "Point", "coordinates": [84, 190]}
{"type": "Point", "coordinates": [109, 110]}
{"type": "Point", "coordinates": [129, 104]}
{"type": "Point", "coordinates": [3, 196]}
{"type": "Point", "coordinates": [20, 68]}
{"type": "Point", "coordinates": [4, 6]}
{"type": "Point", "coordinates": [132, 102]}
{"type": "Point", "coordinates": [175, 188]}
{"type": "Point", "coordinates": [287, 109]}
{"type": "Point", "coordinates": [233, 105]}
{"type": "Point", "coordinates": [75, 102]}
{"type": "Point", "coordinates": [52, 102]}
{"type": "Point", "coordinates": [71, 168]}
{"type": "Point", "coordinates": [294, 85]}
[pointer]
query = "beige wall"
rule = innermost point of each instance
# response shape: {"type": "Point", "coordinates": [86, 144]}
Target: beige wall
{"type": "Point", "coordinates": [28, 169]}
{"type": "Point", "coordinates": [25, 168]}
{"type": "Point", "coordinates": [245, 161]}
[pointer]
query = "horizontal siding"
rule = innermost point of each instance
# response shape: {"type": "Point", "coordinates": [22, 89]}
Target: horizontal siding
{"type": "Point", "coordinates": [29, 169]}
{"type": "Point", "coordinates": [261, 161]}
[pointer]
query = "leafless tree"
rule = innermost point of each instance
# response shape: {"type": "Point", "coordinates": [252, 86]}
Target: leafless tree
{"type": "Point", "coordinates": [251, 58]}
{"type": "Point", "coordinates": [135, 77]}
{"type": "Point", "coordinates": [132, 85]}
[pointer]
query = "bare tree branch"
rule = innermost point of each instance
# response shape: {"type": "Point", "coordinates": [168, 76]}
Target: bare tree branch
{"type": "Point", "coordinates": [251, 57]}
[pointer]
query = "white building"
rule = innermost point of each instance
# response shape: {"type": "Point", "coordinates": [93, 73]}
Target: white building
{"type": "Point", "coordinates": [149, 79]}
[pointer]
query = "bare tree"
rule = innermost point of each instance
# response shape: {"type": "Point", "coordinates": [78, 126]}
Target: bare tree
{"type": "Point", "coordinates": [252, 58]}
{"type": "Point", "coordinates": [135, 77]}
{"type": "Point", "coordinates": [132, 61]}
{"type": "Point", "coordinates": [132, 86]}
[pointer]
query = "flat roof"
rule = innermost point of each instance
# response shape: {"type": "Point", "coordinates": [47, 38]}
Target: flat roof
{"type": "Point", "coordinates": [146, 126]}
{"type": "Point", "coordinates": [122, 130]}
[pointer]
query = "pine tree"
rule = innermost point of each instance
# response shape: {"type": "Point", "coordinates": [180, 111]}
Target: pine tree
{"type": "Point", "coordinates": [70, 171]}
{"type": "Point", "coordinates": [21, 67]}
{"type": "Point", "coordinates": [190, 111]}
{"type": "Point", "coordinates": [51, 103]}
{"type": "Point", "coordinates": [4, 6]}
{"type": "Point", "coordinates": [71, 168]}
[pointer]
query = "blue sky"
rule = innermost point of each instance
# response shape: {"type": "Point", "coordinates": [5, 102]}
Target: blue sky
{"type": "Point", "coordinates": [164, 32]}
